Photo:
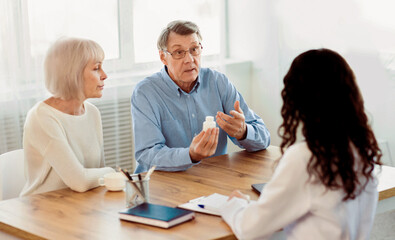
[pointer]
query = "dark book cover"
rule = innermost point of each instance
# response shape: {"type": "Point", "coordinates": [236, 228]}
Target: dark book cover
{"type": "Point", "coordinates": [157, 215]}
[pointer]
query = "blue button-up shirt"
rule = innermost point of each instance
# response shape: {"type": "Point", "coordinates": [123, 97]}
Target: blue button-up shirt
{"type": "Point", "coordinates": [165, 119]}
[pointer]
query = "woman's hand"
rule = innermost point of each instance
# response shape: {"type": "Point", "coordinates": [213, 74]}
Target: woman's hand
{"type": "Point", "coordinates": [238, 194]}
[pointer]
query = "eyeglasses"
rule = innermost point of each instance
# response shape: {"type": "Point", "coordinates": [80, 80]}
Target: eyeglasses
{"type": "Point", "coordinates": [194, 51]}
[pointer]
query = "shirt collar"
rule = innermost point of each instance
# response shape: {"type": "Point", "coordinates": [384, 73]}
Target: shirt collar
{"type": "Point", "coordinates": [174, 88]}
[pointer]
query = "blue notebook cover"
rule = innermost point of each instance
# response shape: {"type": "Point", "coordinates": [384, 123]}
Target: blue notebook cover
{"type": "Point", "coordinates": [156, 215]}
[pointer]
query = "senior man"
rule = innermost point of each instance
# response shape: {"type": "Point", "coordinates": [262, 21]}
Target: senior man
{"type": "Point", "coordinates": [170, 106]}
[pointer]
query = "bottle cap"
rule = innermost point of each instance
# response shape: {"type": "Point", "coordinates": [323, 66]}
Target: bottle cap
{"type": "Point", "coordinates": [209, 118]}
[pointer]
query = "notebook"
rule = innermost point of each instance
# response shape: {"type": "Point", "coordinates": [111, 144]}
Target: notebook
{"type": "Point", "coordinates": [258, 187]}
{"type": "Point", "coordinates": [156, 215]}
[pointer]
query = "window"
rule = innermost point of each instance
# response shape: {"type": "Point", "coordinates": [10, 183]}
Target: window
{"type": "Point", "coordinates": [127, 30]}
{"type": "Point", "coordinates": [150, 17]}
{"type": "Point", "coordinates": [93, 19]}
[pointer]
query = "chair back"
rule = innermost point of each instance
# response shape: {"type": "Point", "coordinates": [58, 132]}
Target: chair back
{"type": "Point", "coordinates": [12, 178]}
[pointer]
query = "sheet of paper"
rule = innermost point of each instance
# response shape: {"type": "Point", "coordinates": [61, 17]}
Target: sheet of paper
{"type": "Point", "coordinates": [211, 203]}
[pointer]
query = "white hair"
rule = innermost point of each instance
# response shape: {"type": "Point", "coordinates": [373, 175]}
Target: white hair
{"type": "Point", "coordinates": [65, 63]}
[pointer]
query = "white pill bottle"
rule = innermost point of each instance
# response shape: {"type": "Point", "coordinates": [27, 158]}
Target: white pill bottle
{"type": "Point", "coordinates": [209, 123]}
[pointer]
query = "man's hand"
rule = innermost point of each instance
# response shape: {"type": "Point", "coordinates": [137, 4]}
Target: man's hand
{"type": "Point", "coordinates": [204, 144]}
{"type": "Point", "coordinates": [234, 126]}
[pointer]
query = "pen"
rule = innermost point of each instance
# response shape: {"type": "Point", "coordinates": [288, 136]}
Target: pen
{"type": "Point", "coordinates": [141, 183]}
{"type": "Point", "coordinates": [126, 173]}
{"type": "Point", "coordinates": [150, 171]}
{"type": "Point", "coordinates": [208, 207]}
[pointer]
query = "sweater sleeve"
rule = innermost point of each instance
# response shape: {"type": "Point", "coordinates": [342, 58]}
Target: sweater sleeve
{"type": "Point", "coordinates": [284, 199]}
{"type": "Point", "coordinates": [63, 160]}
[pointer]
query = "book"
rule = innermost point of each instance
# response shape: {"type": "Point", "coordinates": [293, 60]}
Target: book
{"type": "Point", "coordinates": [156, 215]}
{"type": "Point", "coordinates": [207, 204]}
{"type": "Point", "coordinates": [258, 187]}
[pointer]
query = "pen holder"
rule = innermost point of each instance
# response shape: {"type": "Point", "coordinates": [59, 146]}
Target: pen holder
{"type": "Point", "coordinates": [137, 192]}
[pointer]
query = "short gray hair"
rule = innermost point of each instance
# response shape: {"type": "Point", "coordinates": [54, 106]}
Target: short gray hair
{"type": "Point", "coordinates": [180, 27]}
{"type": "Point", "coordinates": [65, 63]}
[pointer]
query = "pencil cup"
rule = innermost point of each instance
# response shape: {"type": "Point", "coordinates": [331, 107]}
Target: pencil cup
{"type": "Point", "coordinates": [137, 192]}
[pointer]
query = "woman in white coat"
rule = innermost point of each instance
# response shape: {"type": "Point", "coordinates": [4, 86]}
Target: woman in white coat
{"type": "Point", "coordinates": [63, 137]}
{"type": "Point", "coordinates": [323, 187]}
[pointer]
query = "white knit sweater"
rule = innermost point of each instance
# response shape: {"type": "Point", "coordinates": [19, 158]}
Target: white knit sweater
{"type": "Point", "coordinates": [62, 150]}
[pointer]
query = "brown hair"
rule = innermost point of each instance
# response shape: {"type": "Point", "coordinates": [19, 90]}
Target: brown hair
{"type": "Point", "coordinates": [320, 92]}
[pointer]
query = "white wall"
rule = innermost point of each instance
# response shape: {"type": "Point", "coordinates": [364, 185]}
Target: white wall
{"type": "Point", "coordinates": [253, 36]}
{"type": "Point", "coordinates": [259, 33]}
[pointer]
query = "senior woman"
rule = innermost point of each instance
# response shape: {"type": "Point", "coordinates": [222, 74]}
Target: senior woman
{"type": "Point", "coordinates": [63, 138]}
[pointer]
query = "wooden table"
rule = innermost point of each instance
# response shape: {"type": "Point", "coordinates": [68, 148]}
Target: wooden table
{"type": "Point", "coordinates": [65, 214]}
{"type": "Point", "coordinates": [386, 189]}
{"type": "Point", "coordinates": [386, 186]}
